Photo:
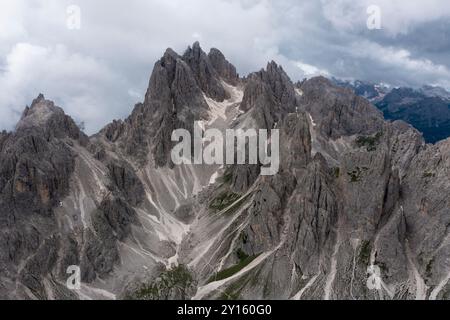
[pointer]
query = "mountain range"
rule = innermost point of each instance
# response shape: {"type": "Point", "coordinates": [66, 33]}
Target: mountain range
{"type": "Point", "coordinates": [356, 197]}
{"type": "Point", "coordinates": [426, 108]}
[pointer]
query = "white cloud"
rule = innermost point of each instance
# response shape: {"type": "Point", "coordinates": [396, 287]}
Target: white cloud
{"type": "Point", "coordinates": [310, 70]}
{"type": "Point", "coordinates": [62, 76]}
{"type": "Point", "coordinates": [99, 72]}
{"type": "Point", "coordinates": [401, 62]}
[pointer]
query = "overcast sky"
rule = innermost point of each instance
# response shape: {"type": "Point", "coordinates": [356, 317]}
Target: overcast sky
{"type": "Point", "coordinates": [98, 72]}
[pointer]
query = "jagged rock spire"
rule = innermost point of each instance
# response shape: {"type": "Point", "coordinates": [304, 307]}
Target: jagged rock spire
{"type": "Point", "coordinates": [270, 95]}
{"type": "Point", "coordinates": [224, 68]}
{"type": "Point", "coordinates": [207, 77]}
{"type": "Point", "coordinates": [174, 99]}
{"type": "Point", "coordinates": [45, 118]}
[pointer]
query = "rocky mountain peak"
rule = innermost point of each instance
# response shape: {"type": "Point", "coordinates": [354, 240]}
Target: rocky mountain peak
{"type": "Point", "coordinates": [196, 49]}
{"type": "Point", "coordinates": [270, 95]}
{"type": "Point", "coordinates": [39, 113]}
{"type": "Point", "coordinates": [206, 75]}
{"type": "Point", "coordinates": [170, 53]}
{"type": "Point", "coordinates": [44, 118]}
{"type": "Point", "coordinates": [272, 67]}
{"type": "Point", "coordinates": [39, 98]}
{"type": "Point", "coordinates": [173, 88]}
{"type": "Point", "coordinates": [224, 68]}
{"type": "Point", "coordinates": [174, 99]}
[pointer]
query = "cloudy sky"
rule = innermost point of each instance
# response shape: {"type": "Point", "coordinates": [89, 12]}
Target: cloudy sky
{"type": "Point", "coordinates": [98, 72]}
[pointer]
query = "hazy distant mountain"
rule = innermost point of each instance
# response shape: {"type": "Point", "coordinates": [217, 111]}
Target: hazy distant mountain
{"type": "Point", "coordinates": [428, 114]}
{"type": "Point", "coordinates": [371, 91]}
{"type": "Point", "coordinates": [432, 91]}
{"type": "Point", "coordinates": [354, 193]}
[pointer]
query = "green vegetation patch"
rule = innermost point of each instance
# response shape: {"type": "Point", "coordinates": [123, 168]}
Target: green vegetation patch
{"type": "Point", "coordinates": [233, 291]}
{"type": "Point", "coordinates": [370, 142]}
{"type": "Point", "coordinates": [336, 172]}
{"type": "Point", "coordinates": [232, 270]}
{"type": "Point", "coordinates": [364, 252]}
{"type": "Point", "coordinates": [227, 177]}
{"type": "Point", "coordinates": [429, 268]}
{"type": "Point", "coordinates": [244, 237]}
{"type": "Point", "coordinates": [428, 174]}
{"type": "Point", "coordinates": [241, 255]}
{"type": "Point", "coordinates": [171, 283]}
{"type": "Point", "coordinates": [223, 200]}
{"type": "Point", "coordinates": [236, 205]}
{"type": "Point", "coordinates": [356, 174]}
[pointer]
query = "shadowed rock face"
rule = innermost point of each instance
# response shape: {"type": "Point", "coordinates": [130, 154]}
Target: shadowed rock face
{"type": "Point", "coordinates": [111, 223]}
{"type": "Point", "coordinates": [124, 181]}
{"type": "Point", "coordinates": [206, 75]}
{"type": "Point", "coordinates": [353, 191]}
{"type": "Point", "coordinates": [35, 168]}
{"type": "Point", "coordinates": [224, 68]}
{"type": "Point", "coordinates": [269, 95]}
{"type": "Point", "coordinates": [36, 159]}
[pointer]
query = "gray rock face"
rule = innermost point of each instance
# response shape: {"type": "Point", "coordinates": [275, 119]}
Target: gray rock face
{"type": "Point", "coordinates": [207, 77]}
{"type": "Point", "coordinates": [37, 163]}
{"type": "Point", "coordinates": [50, 121]}
{"type": "Point", "coordinates": [268, 96]}
{"type": "Point", "coordinates": [338, 110]}
{"type": "Point", "coordinates": [35, 168]}
{"type": "Point", "coordinates": [174, 99]}
{"type": "Point", "coordinates": [355, 198]}
{"type": "Point", "coordinates": [348, 208]}
{"type": "Point", "coordinates": [314, 213]}
{"type": "Point", "coordinates": [127, 183]}
{"type": "Point", "coordinates": [224, 68]}
{"type": "Point", "coordinates": [243, 176]}
{"type": "Point", "coordinates": [295, 150]}
{"type": "Point", "coordinates": [111, 223]}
